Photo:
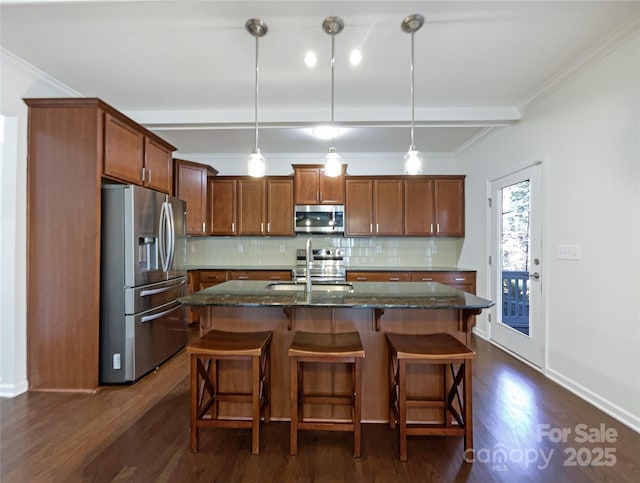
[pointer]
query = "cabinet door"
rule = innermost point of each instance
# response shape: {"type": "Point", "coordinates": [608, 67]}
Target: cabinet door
{"type": "Point", "coordinates": [358, 207]}
{"type": "Point", "coordinates": [465, 281]}
{"type": "Point", "coordinates": [307, 182]}
{"type": "Point", "coordinates": [158, 166]}
{"type": "Point", "coordinates": [331, 190]}
{"type": "Point", "coordinates": [259, 275]}
{"type": "Point", "coordinates": [388, 207]}
{"type": "Point", "coordinates": [191, 186]}
{"type": "Point", "coordinates": [222, 206]}
{"type": "Point", "coordinates": [418, 207]}
{"type": "Point", "coordinates": [280, 207]}
{"type": "Point", "coordinates": [449, 207]}
{"type": "Point", "coordinates": [123, 151]}
{"type": "Point", "coordinates": [251, 207]}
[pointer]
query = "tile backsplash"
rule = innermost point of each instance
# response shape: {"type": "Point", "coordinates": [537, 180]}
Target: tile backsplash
{"type": "Point", "coordinates": [379, 252]}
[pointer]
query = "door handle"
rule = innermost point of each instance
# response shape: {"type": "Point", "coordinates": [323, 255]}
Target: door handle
{"type": "Point", "coordinates": [534, 275]}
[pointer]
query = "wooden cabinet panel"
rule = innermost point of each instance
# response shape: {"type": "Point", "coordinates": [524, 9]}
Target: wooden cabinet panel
{"type": "Point", "coordinates": [280, 206]}
{"type": "Point", "coordinates": [191, 186]}
{"type": "Point", "coordinates": [419, 219]}
{"type": "Point", "coordinates": [312, 187]}
{"type": "Point", "coordinates": [251, 207]}
{"type": "Point", "coordinates": [222, 206]}
{"type": "Point", "coordinates": [368, 276]}
{"type": "Point", "coordinates": [123, 150]}
{"type": "Point", "coordinates": [449, 207]}
{"type": "Point", "coordinates": [358, 207]}
{"type": "Point", "coordinates": [158, 166]}
{"type": "Point", "coordinates": [388, 207]}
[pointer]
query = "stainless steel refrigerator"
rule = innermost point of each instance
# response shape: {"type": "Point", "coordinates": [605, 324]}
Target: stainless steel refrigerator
{"type": "Point", "coordinates": [143, 273]}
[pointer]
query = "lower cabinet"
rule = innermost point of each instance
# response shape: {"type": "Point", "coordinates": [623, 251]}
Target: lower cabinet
{"type": "Point", "coordinates": [260, 275]}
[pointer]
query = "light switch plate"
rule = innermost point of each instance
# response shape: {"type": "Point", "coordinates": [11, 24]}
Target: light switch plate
{"type": "Point", "coordinates": [569, 252]}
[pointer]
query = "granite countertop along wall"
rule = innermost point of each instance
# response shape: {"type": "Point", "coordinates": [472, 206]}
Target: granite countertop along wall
{"type": "Point", "coordinates": [423, 295]}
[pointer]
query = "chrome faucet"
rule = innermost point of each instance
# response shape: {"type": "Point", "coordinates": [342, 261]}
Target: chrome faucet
{"type": "Point", "coordinates": [309, 257]}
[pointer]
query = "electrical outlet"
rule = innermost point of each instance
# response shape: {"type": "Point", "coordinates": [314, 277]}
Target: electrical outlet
{"type": "Point", "coordinates": [281, 247]}
{"type": "Point", "coordinates": [569, 252]}
{"type": "Point", "coordinates": [240, 248]}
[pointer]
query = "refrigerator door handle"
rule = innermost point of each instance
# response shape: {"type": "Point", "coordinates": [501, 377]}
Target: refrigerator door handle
{"type": "Point", "coordinates": [146, 293]}
{"type": "Point", "coordinates": [149, 318]}
{"type": "Point", "coordinates": [162, 234]}
{"type": "Point", "coordinates": [172, 238]}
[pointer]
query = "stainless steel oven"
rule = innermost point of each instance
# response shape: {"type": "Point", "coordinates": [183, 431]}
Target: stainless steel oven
{"type": "Point", "coordinates": [327, 265]}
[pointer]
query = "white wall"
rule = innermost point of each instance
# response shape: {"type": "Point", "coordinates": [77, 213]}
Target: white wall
{"type": "Point", "coordinates": [18, 81]}
{"type": "Point", "coordinates": [589, 130]}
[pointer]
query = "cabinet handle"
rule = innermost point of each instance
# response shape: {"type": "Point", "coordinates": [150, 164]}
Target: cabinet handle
{"type": "Point", "coordinates": [459, 279]}
{"type": "Point", "coordinates": [371, 227]}
{"type": "Point", "coordinates": [203, 229]}
{"type": "Point", "coordinates": [431, 228]}
{"type": "Point", "coordinates": [243, 277]}
{"type": "Point", "coordinates": [364, 279]}
{"type": "Point", "coordinates": [377, 228]}
{"type": "Point", "coordinates": [268, 227]}
{"type": "Point", "coordinates": [437, 227]}
{"type": "Point", "coordinates": [426, 279]}
{"type": "Point", "coordinates": [261, 227]}
{"type": "Point", "coordinates": [233, 227]}
{"type": "Point", "coordinates": [275, 277]}
{"type": "Point", "coordinates": [394, 279]}
{"type": "Point", "coordinates": [142, 173]}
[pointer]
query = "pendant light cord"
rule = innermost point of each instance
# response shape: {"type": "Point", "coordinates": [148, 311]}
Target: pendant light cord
{"type": "Point", "coordinates": [333, 62]}
{"type": "Point", "coordinates": [412, 94]}
{"type": "Point", "coordinates": [256, 97]}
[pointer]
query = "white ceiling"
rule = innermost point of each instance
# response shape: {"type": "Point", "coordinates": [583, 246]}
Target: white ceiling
{"type": "Point", "coordinates": [186, 69]}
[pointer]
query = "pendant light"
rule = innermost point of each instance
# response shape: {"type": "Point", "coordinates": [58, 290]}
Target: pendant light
{"type": "Point", "coordinates": [256, 164]}
{"type": "Point", "coordinates": [332, 161]}
{"type": "Point", "coordinates": [413, 158]}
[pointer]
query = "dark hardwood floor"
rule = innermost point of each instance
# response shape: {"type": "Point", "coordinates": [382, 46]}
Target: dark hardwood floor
{"type": "Point", "coordinates": [140, 433]}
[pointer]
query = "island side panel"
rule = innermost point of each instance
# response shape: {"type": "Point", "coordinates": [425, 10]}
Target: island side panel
{"type": "Point", "coordinates": [335, 377]}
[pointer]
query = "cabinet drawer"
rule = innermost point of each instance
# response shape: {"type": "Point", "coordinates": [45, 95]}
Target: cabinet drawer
{"type": "Point", "coordinates": [378, 277]}
{"type": "Point", "coordinates": [209, 276]}
{"type": "Point", "coordinates": [461, 280]}
{"type": "Point", "coordinates": [260, 275]}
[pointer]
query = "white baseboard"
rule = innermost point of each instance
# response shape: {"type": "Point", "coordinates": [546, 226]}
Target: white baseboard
{"type": "Point", "coordinates": [613, 410]}
{"type": "Point", "coordinates": [13, 390]}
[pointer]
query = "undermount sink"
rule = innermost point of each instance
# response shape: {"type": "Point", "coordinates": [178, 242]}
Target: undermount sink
{"type": "Point", "coordinates": [315, 287]}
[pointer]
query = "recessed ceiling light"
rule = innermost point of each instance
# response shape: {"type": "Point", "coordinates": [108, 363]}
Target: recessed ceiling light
{"type": "Point", "coordinates": [326, 132]}
{"type": "Point", "coordinates": [310, 59]}
{"type": "Point", "coordinates": [355, 57]}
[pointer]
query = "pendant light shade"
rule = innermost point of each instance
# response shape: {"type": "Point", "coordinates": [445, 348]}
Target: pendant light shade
{"type": "Point", "coordinates": [332, 161]}
{"type": "Point", "coordinates": [256, 164]}
{"type": "Point", "coordinates": [413, 158]}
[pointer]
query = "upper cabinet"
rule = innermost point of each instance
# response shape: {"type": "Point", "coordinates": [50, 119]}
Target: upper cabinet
{"type": "Point", "coordinates": [404, 206]}
{"type": "Point", "coordinates": [434, 206]}
{"type": "Point", "coordinates": [191, 186]}
{"type": "Point", "coordinates": [312, 187]}
{"type": "Point", "coordinates": [249, 206]}
{"type": "Point", "coordinates": [134, 155]}
{"type": "Point", "coordinates": [374, 206]}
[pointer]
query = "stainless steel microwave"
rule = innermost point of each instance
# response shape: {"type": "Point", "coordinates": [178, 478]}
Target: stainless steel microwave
{"type": "Point", "coordinates": [319, 219]}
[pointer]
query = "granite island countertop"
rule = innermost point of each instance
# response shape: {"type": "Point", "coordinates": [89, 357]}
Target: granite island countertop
{"type": "Point", "coordinates": [374, 295]}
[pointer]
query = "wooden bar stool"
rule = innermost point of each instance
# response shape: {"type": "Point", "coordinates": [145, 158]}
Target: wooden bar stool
{"type": "Point", "coordinates": [442, 349]}
{"type": "Point", "coordinates": [206, 394]}
{"type": "Point", "coordinates": [308, 347]}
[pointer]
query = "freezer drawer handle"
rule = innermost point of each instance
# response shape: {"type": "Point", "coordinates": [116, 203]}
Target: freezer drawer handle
{"type": "Point", "coordinates": [145, 293]}
{"type": "Point", "coordinates": [149, 318]}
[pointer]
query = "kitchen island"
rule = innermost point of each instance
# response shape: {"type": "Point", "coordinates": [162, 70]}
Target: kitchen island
{"type": "Point", "coordinates": [371, 308]}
